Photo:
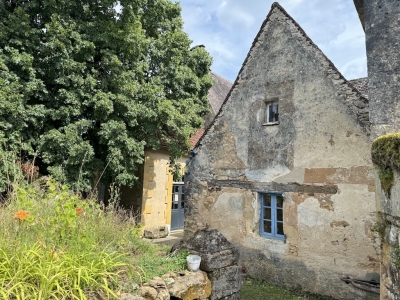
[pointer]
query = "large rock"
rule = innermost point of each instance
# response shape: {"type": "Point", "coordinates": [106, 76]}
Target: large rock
{"type": "Point", "coordinates": [188, 285]}
{"type": "Point", "coordinates": [215, 250]}
{"type": "Point", "coordinates": [155, 289]}
{"type": "Point", "coordinates": [156, 232]}
{"type": "Point", "coordinates": [226, 282]}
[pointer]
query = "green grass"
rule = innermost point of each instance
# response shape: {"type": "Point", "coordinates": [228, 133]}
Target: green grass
{"type": "Point", "coordinates": [55, 245]}
{"type": "Point", "coordinates": [253, 289]}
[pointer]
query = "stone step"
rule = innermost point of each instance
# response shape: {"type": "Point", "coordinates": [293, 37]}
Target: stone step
{"type": "Point", "coordinates": [174, 237]}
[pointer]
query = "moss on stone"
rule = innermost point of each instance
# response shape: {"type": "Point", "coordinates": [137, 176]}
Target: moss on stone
{"type": "Point", "coordinates": [386, 178]}
{"type": "Point", "coordinates": [385, 153]}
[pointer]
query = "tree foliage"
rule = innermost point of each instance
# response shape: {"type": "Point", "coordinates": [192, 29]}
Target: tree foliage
{"type": "Point", "coordinates": [88, 84]}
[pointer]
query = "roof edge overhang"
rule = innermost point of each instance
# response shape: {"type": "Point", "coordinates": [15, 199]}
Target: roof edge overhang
{"type": "Point", "coordinates": [359, 4]}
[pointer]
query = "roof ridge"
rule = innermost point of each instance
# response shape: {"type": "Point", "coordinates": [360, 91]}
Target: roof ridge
{"type": "Point", "coordinates": [274, 6]}
{"type": "Point", "coordinates": [217, 75]}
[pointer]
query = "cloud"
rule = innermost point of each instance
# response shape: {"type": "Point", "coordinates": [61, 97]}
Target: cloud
{"type": "Point", "coordinates": [227, 29]}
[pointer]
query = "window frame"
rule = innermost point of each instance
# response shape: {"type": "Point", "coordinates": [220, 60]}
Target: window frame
{"type": "Point", "coordinates": [274, 232]}
{"type": "Point", "coordinates": [267, 117]}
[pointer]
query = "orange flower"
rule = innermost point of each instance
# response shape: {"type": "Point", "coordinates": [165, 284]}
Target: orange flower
{"type": "Point", "coordinates": [79, 211]}
{"type": "Point", "coordinates": [21, 215]}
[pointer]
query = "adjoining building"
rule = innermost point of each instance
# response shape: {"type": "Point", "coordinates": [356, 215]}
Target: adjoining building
{"type": "Point", "coordinates": [159, 199]}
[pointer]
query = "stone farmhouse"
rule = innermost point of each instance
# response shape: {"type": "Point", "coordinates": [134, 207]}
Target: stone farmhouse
{"type": "Point", "coordinates": [284, 171]}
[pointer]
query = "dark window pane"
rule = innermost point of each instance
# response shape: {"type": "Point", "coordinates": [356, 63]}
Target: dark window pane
{"type": "Point", "coordinates": [279, 201]}
{"type": "Point", "coordinates": [274, 112]}
{"type": "Point", "coordinates": [271, 113]}
{"type": "Point", "coordinates": [279, 228]}
{"type": "Point", "coordinates": [182, 204]}
{"type": "Point", "coordinates": [267, 200]}
{"type": "Point", "coordinates": [267, 227]}
{"type": "Point", "coordinates": [279, 214]}
{"type": "Point", "coordinates": [267, 213]}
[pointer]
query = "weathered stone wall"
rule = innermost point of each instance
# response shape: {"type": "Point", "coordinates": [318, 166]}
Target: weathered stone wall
{"type": "Point", "coordinates": [382, 32]}
{"type": "Point", "coordinates": [318, 157]}
{"type": "Point", "coordinates": [389, 227]}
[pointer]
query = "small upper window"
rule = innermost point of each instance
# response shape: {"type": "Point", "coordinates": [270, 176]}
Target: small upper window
{"type": "Point", "coordinates": [272, 113]}
{"type": "Point", "coordinates": [271, 219]}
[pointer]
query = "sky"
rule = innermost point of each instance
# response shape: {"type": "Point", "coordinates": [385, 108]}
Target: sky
{"type": "Point", "coordinates": [227, 28]}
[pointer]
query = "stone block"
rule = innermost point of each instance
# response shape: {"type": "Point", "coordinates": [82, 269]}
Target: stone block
{"type": "Point", "coordinates": [225, 282]}
{"type": "Point", "coordinates": [189, 286]}
{"type": "Point", "coordinates": [218, 260]}
{"type": "Point", "coordinates": [156, 232]}
{"type": "Point", "coordinates": [215, 250]}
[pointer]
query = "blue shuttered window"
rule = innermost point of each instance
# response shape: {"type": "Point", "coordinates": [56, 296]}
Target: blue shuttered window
{"type": "Point", "coordinates": [271, 221]}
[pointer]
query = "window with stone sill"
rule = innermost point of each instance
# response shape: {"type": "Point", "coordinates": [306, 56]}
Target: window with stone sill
{"type": "Point", "coordinates": [271, 113]}
{"type": "Point", "coordinates": [271, 219]}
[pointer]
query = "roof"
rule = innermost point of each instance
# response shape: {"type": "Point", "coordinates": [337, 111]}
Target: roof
{"type": "Point", "coordinates": [216, 96]}
{"type": "Point", "coordinates": [196, 137]}
{"type": "Point", "coordinates": [218, 92]}
{"type": "Point", "coordinates": [362, 116]}
{"type": "Point", "coordinates": [361, 84]}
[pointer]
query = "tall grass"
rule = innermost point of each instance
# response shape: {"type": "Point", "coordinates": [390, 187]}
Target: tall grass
{"type": "Point", "coordinates": [55, 245]}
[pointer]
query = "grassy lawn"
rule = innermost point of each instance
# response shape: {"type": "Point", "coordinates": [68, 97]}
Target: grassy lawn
{"type": "Point", "coordinates": [259, 290]}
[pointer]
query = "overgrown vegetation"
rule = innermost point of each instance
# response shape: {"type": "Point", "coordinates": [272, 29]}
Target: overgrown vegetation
{"type": "Point", "coordinates": [379, 227]}
{"type": "Point", "coordinates": [89, 84]}
{"type": "Point", "coordinates": [385, 153]}
{"type": "Point", "coordinates": [396, 256]}
{"type": "Point", "coordinates": [386, 178]}
{"type": "Point", "coordinates": [55, 245]}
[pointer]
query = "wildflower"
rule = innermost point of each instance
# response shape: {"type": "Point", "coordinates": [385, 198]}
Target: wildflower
{"type": "Point", "coordinates": [21, 215]}
{"type": "Point", "coordinates": [79, 211]}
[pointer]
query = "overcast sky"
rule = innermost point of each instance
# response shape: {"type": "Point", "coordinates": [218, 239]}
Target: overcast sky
{"type": "Point", "coordinates": [228, 27]}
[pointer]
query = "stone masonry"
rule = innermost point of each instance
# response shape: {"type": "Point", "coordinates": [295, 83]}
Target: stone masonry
{"type": "Point", "coordinates": [316, 158]}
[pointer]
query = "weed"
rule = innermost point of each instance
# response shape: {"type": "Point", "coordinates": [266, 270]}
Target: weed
{"type": "Point", "coordinates": [380, 226]}
{"type": "Point", "coordinates": [53, 244]}
{"type": "Point", "coordinates": [396, 256]}
{"type": "Point", "coordinates": [386, 178]}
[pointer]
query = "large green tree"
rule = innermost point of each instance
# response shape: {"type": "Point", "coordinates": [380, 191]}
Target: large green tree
{"type": "Point", "coordinates": [86, 85]}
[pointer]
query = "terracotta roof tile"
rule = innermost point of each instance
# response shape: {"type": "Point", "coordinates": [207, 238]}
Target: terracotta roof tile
{"type": "Point", "coordinates": [196, 137]}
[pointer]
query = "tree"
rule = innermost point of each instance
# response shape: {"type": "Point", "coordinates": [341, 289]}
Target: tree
{"type": "Point", "coordinates": [88, 84]}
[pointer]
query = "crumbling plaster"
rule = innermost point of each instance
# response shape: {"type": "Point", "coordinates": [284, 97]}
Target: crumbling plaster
{"type": "Point", "coordinates": [318, 157]}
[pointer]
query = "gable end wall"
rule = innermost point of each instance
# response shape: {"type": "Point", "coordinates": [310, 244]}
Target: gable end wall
{"type": "Point", "coordinates": [318, 157]}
